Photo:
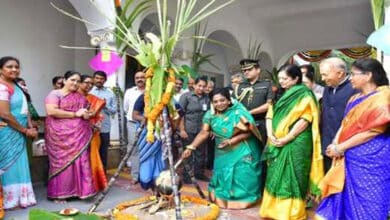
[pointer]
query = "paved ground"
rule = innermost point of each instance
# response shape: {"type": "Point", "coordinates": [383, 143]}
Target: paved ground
{"type": "Point", "coordinates": [121, 191]}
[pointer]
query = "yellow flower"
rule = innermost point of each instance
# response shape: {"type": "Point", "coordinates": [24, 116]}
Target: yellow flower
{"type": "Point", "coordinates": [211, 215]}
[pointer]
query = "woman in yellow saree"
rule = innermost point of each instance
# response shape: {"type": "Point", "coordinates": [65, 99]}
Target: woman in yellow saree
{"type": "Point", "coordinates": [293, 151]}
{"type": "Point", "coordinates": [95, 106]}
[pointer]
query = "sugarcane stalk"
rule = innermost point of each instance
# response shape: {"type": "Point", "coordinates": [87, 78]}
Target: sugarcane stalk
{"type": "Point", "coordinates": [129, 151]}
{"type": "Point", "coordinates": [168, 142]}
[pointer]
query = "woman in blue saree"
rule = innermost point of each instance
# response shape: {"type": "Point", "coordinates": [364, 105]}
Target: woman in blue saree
{"type": "Point", "coordinates": [151, 154]}
{"type": "Point", "coordinates": [358, 184]}
{"type": "Point", "coordinates": [14, 168]}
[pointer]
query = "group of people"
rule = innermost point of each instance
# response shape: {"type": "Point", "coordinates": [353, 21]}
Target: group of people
{"type": "Point", "coordinates": [277, 147]}
{"type": "Point", "coordinates": [75, 135]}
{"type": "Point", "coordinates": [304, 142]}
{"type": "Point", "coordinates": [347, 137]}
{"type": "Point", "coordinates": [191, 103]}
{"type": "Point", "coordinates": [78, 113]}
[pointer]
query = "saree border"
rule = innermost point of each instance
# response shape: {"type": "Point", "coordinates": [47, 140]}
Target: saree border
{"type": "Point", "coordinates": [72, 160]}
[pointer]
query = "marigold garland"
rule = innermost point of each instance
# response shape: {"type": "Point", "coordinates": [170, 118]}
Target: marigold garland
{"type": "Point", "coordinates": [211, 215]}
{"type": "Point", "coordinates": [152, 114]}
{"type": "Point", "coordinates": [148, 85]}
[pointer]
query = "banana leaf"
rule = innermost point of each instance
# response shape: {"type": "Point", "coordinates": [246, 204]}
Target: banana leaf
{"type": "Point", "coordinates": [158, 85]}
{"type": "Point", "coordinates": [39, 214]}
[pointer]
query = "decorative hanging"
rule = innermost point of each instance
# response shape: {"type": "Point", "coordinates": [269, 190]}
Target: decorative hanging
{"type": "Point", "coordinates": [106, 61]}
{"type": "Point", "coordinates": [357, 52]}
{"type": "Point", "coordinates": [314, 55]}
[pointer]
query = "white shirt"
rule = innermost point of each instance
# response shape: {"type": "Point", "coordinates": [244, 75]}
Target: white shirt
{"type": "Point", "coordinates": [131, 95]}
{"type": "Point", "coordinates": [177, 95]}
{"type": "Point", "coordinates": [318, 91]}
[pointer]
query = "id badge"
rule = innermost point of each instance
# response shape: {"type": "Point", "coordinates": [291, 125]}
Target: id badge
{"type": "Point", "coordinates": [204, 107]}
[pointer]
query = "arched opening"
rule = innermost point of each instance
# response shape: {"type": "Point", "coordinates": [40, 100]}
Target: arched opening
{"type": "Point", "coordinates": [224, 59]}
{"type": "Point", "coordinates": [265, 61]}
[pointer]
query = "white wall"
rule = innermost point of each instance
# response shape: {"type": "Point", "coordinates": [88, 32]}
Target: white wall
{"type": "Point", "coordinates": [32, 31]}
{"type": "Point", "coordinates": [321, 28]}
{"type": "Point", "coordinates": [236, 20]}
{"type": "Point", "coordinates": [82, 57]}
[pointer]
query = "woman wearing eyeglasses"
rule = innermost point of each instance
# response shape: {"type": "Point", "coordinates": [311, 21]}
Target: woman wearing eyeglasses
{"type": "Point", "coordinates": [96, 104]}
{"type": "Point", "coordinates": [358, 184]}
{"type": "Point", "coordinates": [68, 133]}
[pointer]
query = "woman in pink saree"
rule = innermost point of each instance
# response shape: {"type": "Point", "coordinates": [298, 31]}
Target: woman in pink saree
{"type": "Point", "coordinates": [68, 134]}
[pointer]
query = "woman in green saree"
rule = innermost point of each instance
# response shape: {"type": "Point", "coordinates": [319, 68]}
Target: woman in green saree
{"type": "Point", "coordinates": [293, 151]}
{"type": "Point", "coordinates": [235, 183]}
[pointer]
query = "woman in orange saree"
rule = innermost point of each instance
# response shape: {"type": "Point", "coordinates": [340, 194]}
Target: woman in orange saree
{"type": "Point", "coordinates": [362, 149]}
{"type": "Point", "coordinates": [95, 106]}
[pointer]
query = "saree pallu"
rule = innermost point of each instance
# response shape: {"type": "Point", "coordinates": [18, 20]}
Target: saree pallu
{"type": "Point", "coordinates": [236, 176]}
{"type": "Point", "coordinates": [366, 190]}
{"type": "Point", "coordinates": [67, 143]}
{"type": "Point", "coordinates": [98, 172]}
{"type": "Point", "coordinates": [295, 169]}
{"type": "Point", "coordinates": [14, 166]}
{"type": "Point", "coordinates": [151, 160]}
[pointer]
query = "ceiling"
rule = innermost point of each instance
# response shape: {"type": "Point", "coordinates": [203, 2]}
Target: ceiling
{"type": "Point", "coordinates": [294, 25]}
{"type": "Point", "coordinates": [310, 24]}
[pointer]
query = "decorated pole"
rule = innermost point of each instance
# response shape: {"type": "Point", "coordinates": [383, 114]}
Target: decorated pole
{"type": "Point", "coordinates": [155, 53]}
{"type": "Point", "coordinates": [168, 143]}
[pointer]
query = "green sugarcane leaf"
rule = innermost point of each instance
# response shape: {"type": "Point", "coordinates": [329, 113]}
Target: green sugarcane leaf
{"type": "Point", "coordinates": [158, 85]}
{"type": "Point", "coordinates": [156, 45]}
{"type": "Point", "coordinates": [125, 8]}
{"type": "Point", "coordinates": [137, 11]}
{"type": "Point", "coordinates": [378, 12]}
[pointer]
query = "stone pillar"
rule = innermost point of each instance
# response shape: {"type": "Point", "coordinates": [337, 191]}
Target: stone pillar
{"type": "Point", "coordinates": [102, 14]}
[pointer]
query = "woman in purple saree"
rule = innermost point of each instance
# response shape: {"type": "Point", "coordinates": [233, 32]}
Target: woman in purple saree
{"type": "Point", "coordinates": [358, 184]}
{"type": "Point", "coordinates": [68, 134]}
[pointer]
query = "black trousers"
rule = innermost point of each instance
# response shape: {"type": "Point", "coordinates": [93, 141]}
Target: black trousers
{"type": "Point", "coordinates": [104, 144]}
{"type": "Point", "coordinates": [263, 132]}
{"type": "Point", "coordinates": [327, 163]}
{"type": "Point", "coordinates": [197, 162]}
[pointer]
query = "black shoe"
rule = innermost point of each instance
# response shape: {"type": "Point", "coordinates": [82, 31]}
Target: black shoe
{"type": "Point", "coordinates": [202, 177]}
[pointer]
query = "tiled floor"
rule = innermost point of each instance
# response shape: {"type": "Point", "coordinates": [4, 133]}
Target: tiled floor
{"type": "Point", "coordinates": [122, 191]}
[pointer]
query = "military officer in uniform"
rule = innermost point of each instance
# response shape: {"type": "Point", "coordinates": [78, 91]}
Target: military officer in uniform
{"type": "Point", "coordinates": [255, 94]}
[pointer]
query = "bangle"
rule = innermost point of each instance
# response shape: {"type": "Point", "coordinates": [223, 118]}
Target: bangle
{"type": "Point", "coordinates": [292, 136]}
{"type": "Point", "coordinates": [74, 114]}
{"type": "Point", "coordinates": [190, 147]}
{"type": "Point", "coordinates": [230, 142]}
{"type": "Point", "coordinates": [335, 148]}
